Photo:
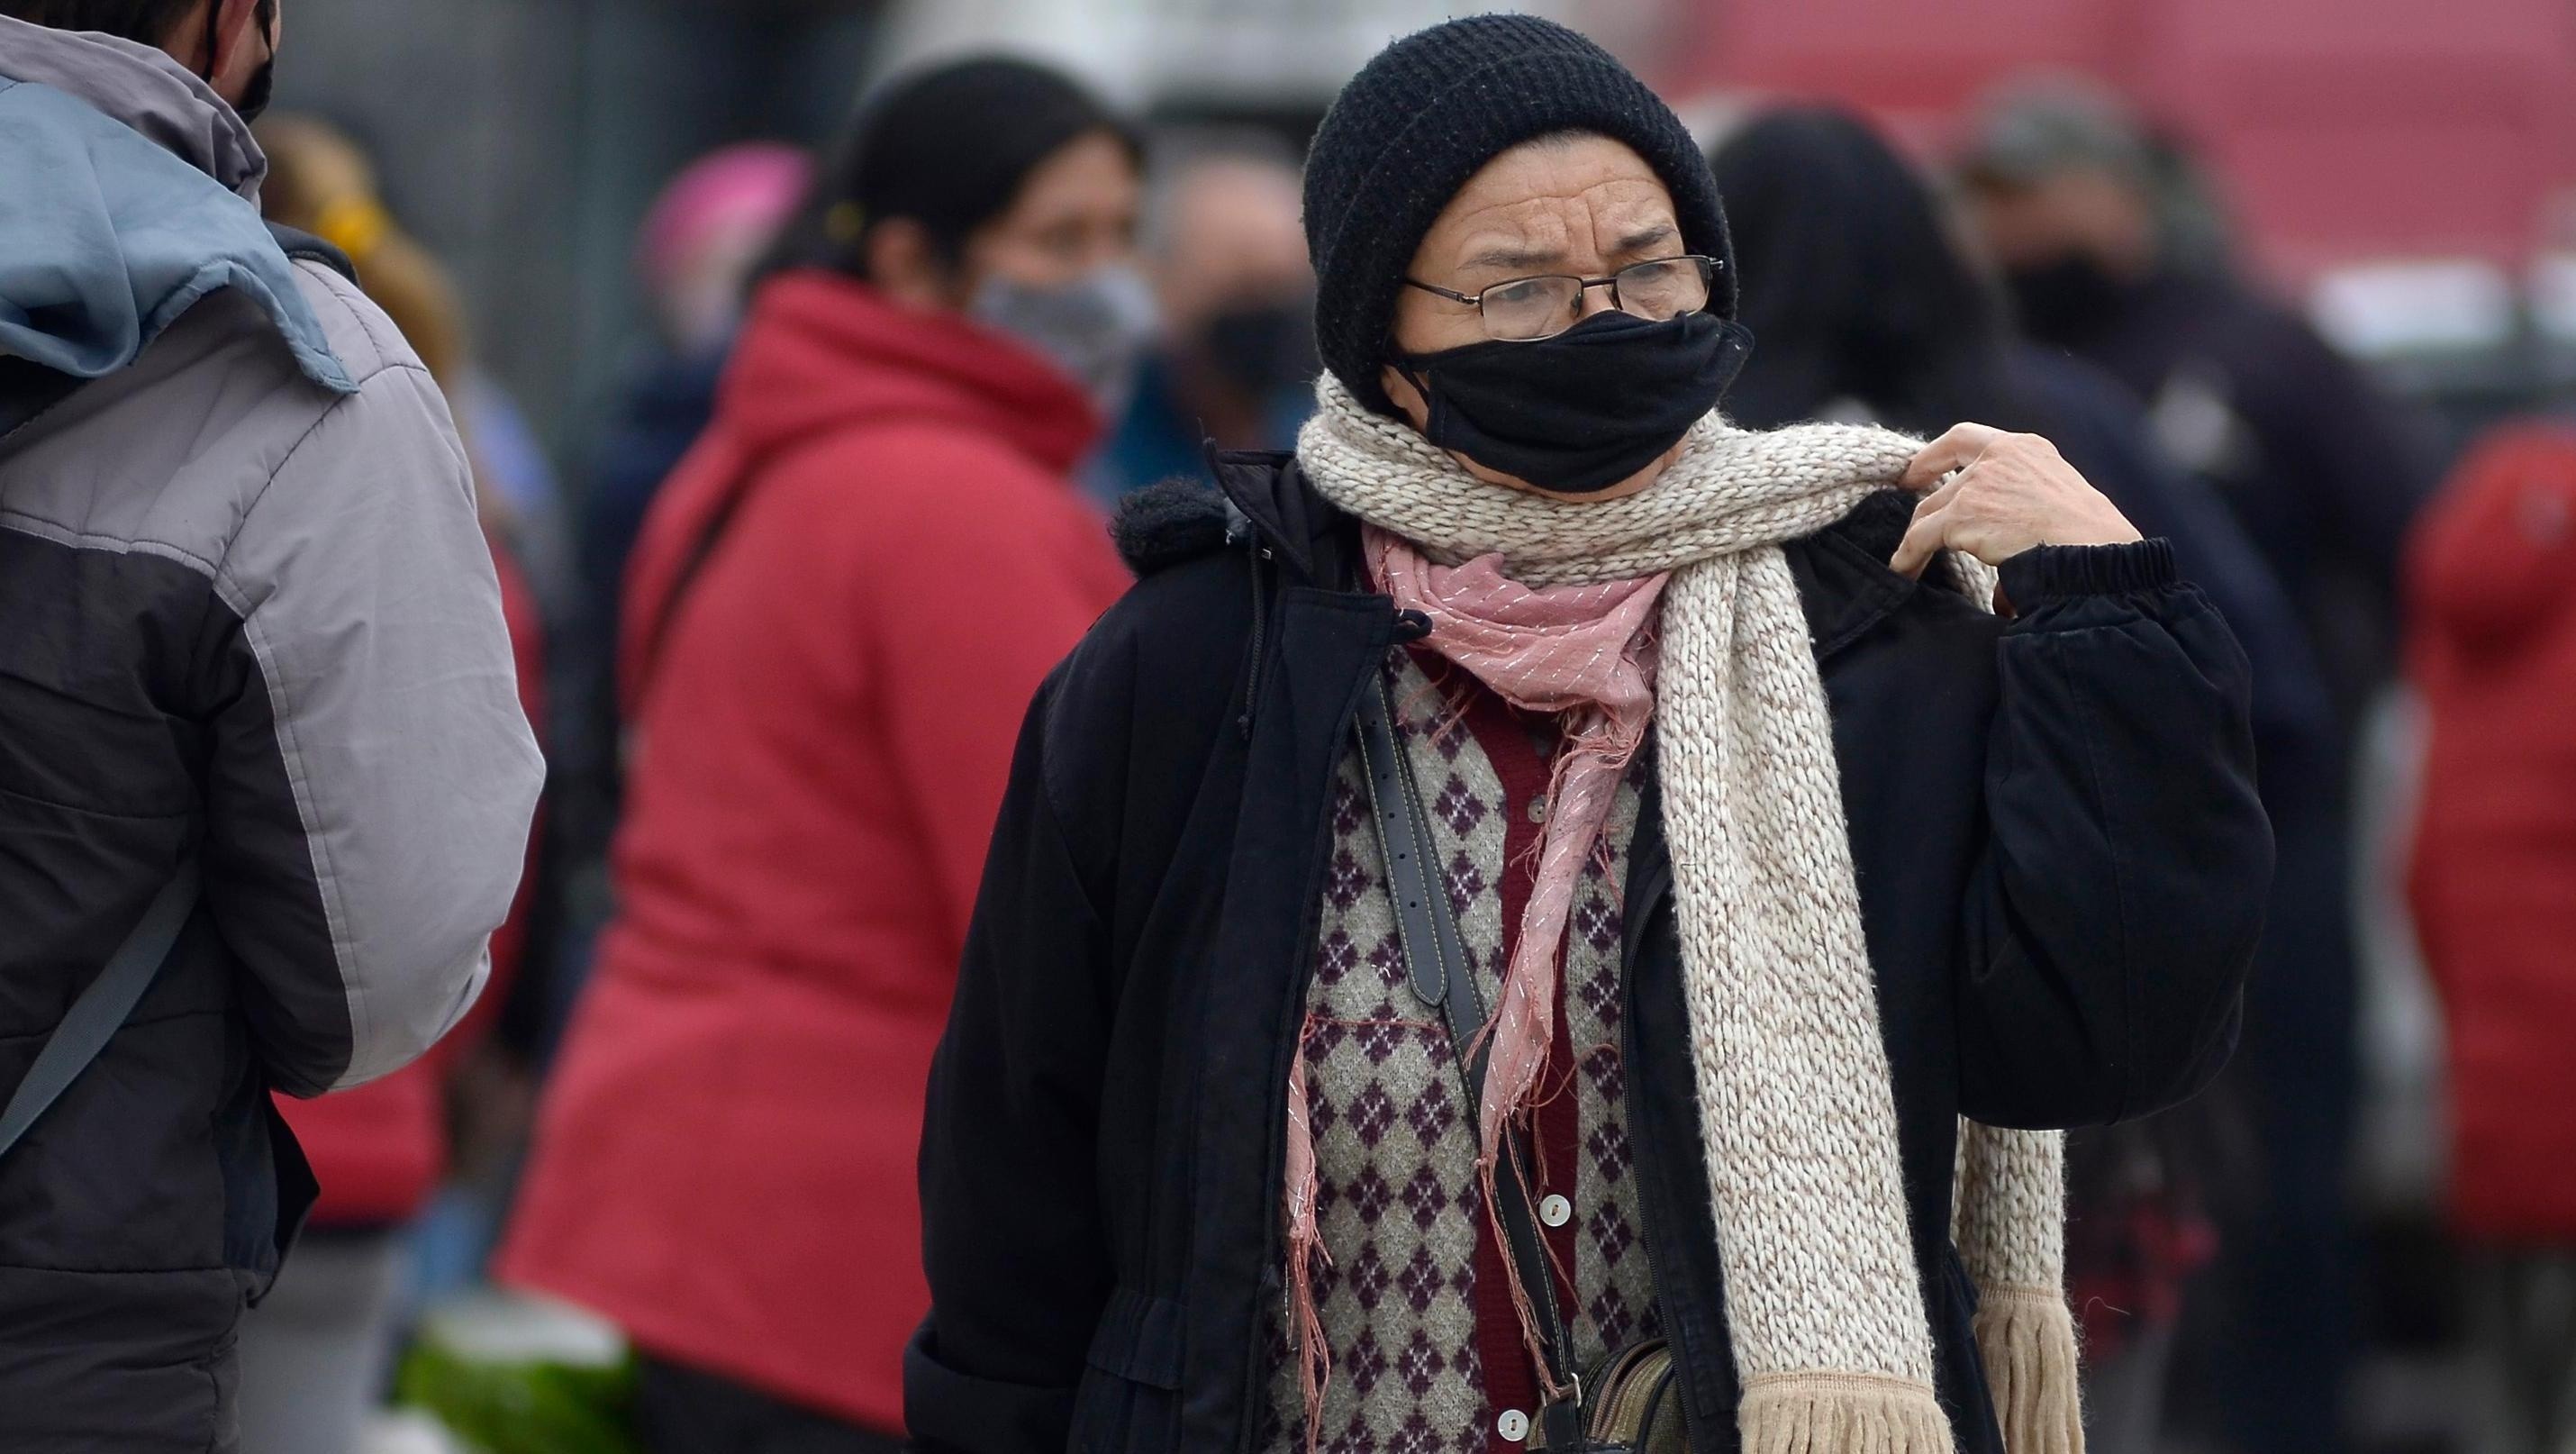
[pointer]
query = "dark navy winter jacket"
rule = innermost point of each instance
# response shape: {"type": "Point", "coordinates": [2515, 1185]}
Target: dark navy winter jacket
{"type": "Point", "coordinates": [2061, 860]}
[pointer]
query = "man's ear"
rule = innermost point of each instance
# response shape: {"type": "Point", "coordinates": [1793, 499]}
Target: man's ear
{"type": "Point", "coordinates": [904, 264]}
{"type": "Point", "coordinates": [215, 39]}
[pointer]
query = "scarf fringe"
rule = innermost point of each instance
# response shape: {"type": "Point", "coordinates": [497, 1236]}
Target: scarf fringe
{"type": "Point", "coordinates": [1305, 1248]}
{"type": "Point", "coordinates": [1842, 1413]}
{"type": "Point", "coordinates": [2027, 1338]}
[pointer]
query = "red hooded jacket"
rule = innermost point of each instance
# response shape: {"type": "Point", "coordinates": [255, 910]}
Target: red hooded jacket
{"type": "Point", "coordinates": [2493, 581]}
{"type": "Point", "coordinates": [824, 704]}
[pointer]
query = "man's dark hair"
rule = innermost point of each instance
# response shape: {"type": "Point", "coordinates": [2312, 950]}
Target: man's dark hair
{"type": "Point", "coordinates": [146, 21]}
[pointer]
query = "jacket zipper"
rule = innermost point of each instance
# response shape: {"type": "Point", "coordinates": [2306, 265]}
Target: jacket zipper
{"type": "Point", "coordinates": [1239, 530]}
{"type": "Point", "coordinates": [1658, 1251]}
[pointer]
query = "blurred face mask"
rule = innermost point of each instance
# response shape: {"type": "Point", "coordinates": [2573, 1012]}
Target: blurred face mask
{"type": "Point", "coordinates": [2065, 300]}
{"type": "Point", "coordinates": [1095, 328]}
{"type": "Point", "coordinates": [1584, 410]}
{"type": "Point", "coordinates": [1261, 349]}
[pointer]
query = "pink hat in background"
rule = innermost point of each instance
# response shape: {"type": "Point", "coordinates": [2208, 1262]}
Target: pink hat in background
{"type": "Point", "coordinates": [753, 186]}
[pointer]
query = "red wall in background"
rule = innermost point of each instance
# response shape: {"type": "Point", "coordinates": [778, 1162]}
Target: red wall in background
{"type": "Point", "coordinates": [2338, 129]}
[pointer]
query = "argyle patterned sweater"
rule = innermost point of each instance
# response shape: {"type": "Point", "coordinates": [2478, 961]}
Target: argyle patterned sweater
{"type": "Point", "coordinates": [1425, 1353]}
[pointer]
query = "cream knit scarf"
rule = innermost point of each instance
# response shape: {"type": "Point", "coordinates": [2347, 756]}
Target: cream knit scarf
{"type": "Point", "coordinates": [1797, 1117]}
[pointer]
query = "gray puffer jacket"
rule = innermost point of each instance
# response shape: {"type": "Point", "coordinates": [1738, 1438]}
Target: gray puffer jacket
{"type": "Point", "coordinates": [246, 613]}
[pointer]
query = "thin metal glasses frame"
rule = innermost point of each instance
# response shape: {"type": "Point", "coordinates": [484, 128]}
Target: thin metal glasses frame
{"type": "Point", "coordinates": [1710, 267]}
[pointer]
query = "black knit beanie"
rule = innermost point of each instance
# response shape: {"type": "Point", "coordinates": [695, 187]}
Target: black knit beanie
{"type": "Point", "coordinates": [1423, 117]}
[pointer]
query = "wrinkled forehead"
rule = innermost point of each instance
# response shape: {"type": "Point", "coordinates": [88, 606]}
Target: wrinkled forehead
{"type": "Point", "coordinates": [1569, 197]}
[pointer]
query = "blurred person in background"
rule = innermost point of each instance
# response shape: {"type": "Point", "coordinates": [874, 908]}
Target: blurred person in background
{"type": "Point", "coordinates": [1224, 1149]}
{"type": "Point", "coordinates": [1868, 306]}
{"type": "Point", "coordinates": [1867, 310]}
{"type": "Point", "coordinates": [321, 182]}
{"type": "Point", "coordinates": [2492, 649]}
{"type": "Point", "coordinates": [1236, 363]}
{"type": "Point", "coordinates": [254, 673]}
{"type": "Point", "coordinates": [314, 1355]}
{"type": "Point", "coordinates": [2076, 204]}
{"type": "Point", "coordinates": [519, 476]}
{"type": "Point", "coordinates": [837, 610]}
{"type": "Point", "coordinates": [2064, 188]}
{"type": "Point", "coordinates": [694, 256]}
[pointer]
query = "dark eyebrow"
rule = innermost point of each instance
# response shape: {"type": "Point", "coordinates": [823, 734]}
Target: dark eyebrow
{"type": "Point", "coordinates": [1507, 258]}
{"type": "Point", "coordinates": [1515, 259]}
{"type": "Point", "coordinates": [1645, 238]}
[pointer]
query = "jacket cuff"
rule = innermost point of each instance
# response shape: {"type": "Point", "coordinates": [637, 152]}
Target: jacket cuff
{"type": "Point", "coordinates": [2052, 572]}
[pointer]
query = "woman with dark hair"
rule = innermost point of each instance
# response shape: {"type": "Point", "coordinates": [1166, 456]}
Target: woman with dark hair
{"type": "Point", "coordinates": [835, 612]}
{"type": "Point", "coordinates": [1867, 308]}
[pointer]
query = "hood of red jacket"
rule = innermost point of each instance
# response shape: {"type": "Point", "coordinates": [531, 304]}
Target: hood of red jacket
{"type": "Point", "coordinates": [820, 354]}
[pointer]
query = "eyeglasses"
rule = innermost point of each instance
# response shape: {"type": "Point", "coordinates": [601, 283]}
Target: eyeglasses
{"type": "Point", "coordinates": [1526, 310]}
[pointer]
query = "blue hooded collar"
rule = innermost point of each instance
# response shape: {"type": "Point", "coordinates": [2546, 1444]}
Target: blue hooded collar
{"type": "Point", "coordinates": [127, 194]}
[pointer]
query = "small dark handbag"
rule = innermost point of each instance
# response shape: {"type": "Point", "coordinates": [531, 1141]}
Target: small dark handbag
{"type": "Point", "coordinates": [1633, 1400]}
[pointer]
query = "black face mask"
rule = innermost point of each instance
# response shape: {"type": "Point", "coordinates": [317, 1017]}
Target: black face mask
{"type": "Point", "coordinates": [1259, 350]}
{"type": "Point", "coordinates": [261, 90]}
{"type": "Point", "coordinates": [1582, 411]}
{"type": "Point", "coordinates": [2065, 301]}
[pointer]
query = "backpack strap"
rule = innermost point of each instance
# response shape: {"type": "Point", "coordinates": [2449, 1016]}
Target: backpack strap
{"type": "Point", "coordinates": [103, 1007]}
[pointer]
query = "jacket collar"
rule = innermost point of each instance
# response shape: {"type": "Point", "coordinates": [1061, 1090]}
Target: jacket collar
{"type": "Point", "coordinates": [143, 90]}
{"type": "Point", "coordinates": [1842, 574]}
{"type": "Point", "coordinates": [132, 192]}
{"type": "Point", "coordinates": [1314, 538]}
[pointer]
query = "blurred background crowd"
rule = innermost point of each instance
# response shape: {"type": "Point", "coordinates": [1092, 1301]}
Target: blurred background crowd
{"type": "Point", "coordinates": [2294, 283]}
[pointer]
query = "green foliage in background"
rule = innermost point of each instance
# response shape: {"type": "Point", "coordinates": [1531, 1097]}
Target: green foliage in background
{"type": "Point", "coordinates": [522, 1408]}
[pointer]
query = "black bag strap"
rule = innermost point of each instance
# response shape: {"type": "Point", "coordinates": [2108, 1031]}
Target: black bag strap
{"type": "Point", "coordinates": [101, 1008]}
{"type": "Point", "coordinates": [701, 550]}
{"type": "Point", "coordinates": [1435, 961]}
{"type": "Point", "coordinates": [1435, 958]}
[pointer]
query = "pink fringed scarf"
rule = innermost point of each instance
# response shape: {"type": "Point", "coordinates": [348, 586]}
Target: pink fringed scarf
{"type": "Point", "coordinates": [1587, 653]}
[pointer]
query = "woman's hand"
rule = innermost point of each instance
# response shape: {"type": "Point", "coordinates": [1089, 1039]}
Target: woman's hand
{"type": "Point", "coordinates": [2009, 492]}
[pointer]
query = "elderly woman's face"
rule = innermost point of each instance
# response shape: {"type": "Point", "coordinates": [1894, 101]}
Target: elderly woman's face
{"type": "Point", "coordinates": [1585, 205]}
